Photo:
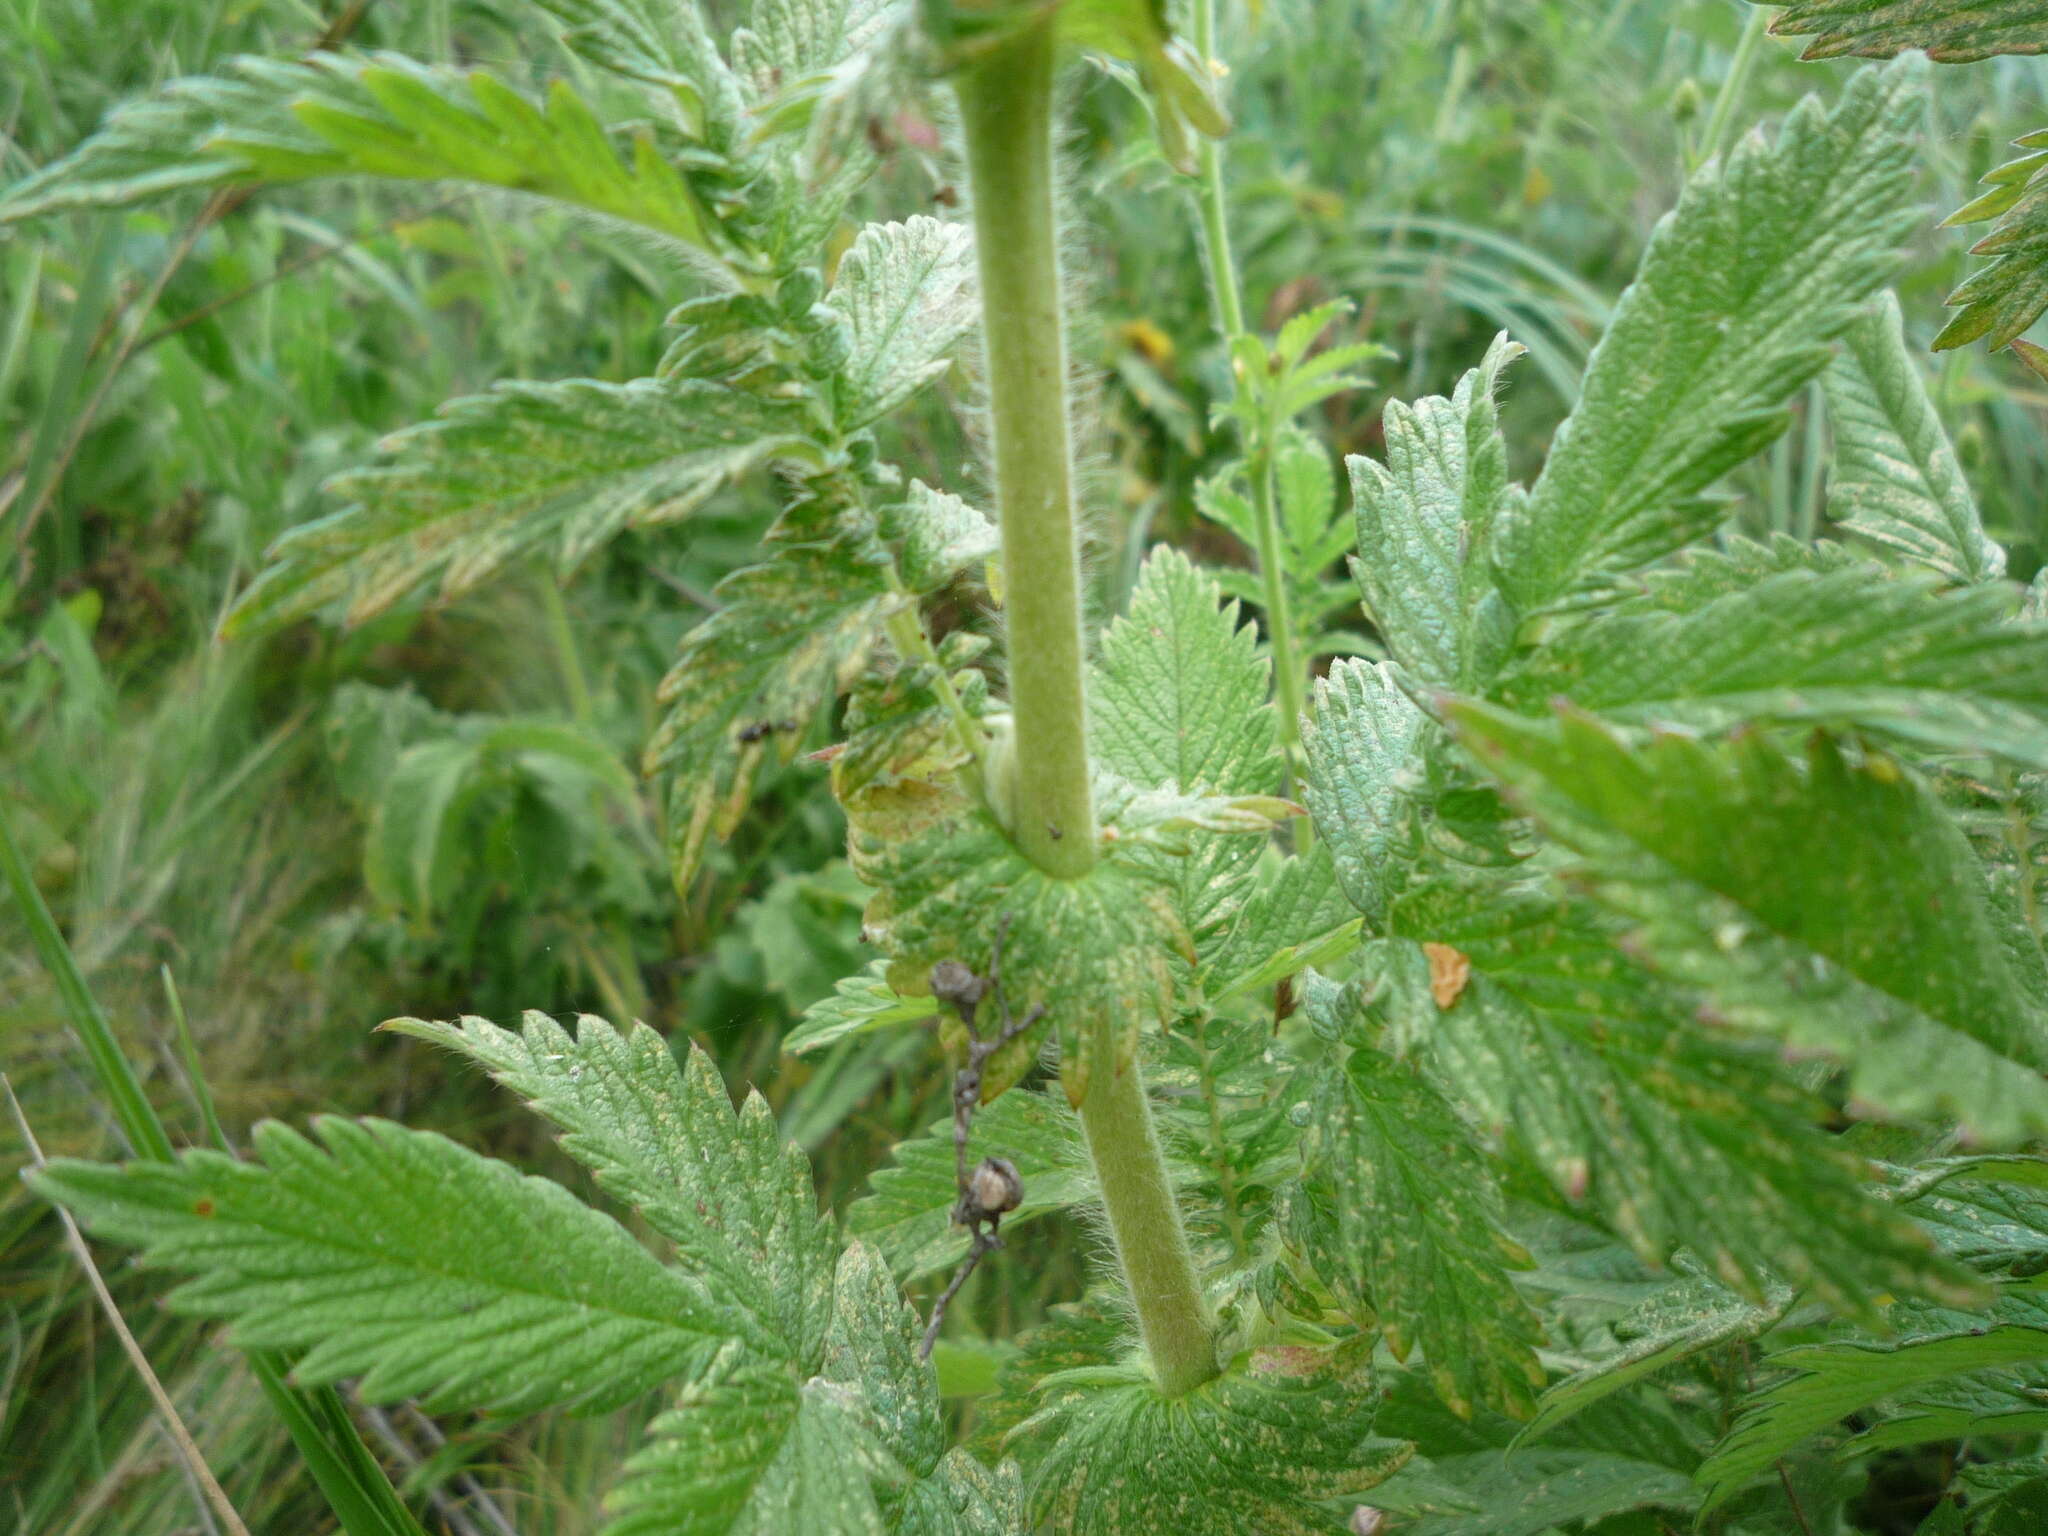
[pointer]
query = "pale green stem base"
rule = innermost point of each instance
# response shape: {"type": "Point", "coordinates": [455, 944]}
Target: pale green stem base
{"type": "Point", "coordinates": [1151, 1242]}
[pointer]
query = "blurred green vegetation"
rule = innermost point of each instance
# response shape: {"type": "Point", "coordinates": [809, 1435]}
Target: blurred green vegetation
{"type": "Point", "coordinates": [439, 813]}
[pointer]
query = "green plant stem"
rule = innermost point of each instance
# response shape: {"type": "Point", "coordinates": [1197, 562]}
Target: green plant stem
{"type": "Point", "coordinates": [1735, 85]}
{"type": "Point", "coordinates": [1006, 109]}
{"type": "Point", "coordinates": [563, 637]}
{"type": "Point", "coordinates": [1151, 1243]}
{"type": "Point", "coordinates": [906, 633]}
{"type": "Point", "coordinates": [1228, 301]}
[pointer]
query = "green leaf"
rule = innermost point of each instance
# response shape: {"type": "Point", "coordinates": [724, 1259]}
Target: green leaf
{"type": "Point", "coordinates": [559, 468]}
{"type": "Point", "coordinates": [1093, 951]}
{"type": "Point", "coordinates": [1831, 1381]}
{"type": "Point", "coordinates": [1947, 31]}
{"type": "Point", "coordinates": [1425, 520]}
{"type": "Point", "coordinates": [738, 1205]}
{"type": "Point", "coordinates": [907, 292]}
{"type": "Point", "coordinates": [1539, 1490]}
{"type": "Point", "coordinates": [1703, 1317]}
{"type": "Point", "coordinates": [749, 1450]}
{"type": "Point", "coordinates": [1674, 1136]}
{"type": "Point", "coordinates": [397, 1256]}
{"type": "Point", "coordinates": [908, 1215]}
{"type": "Point", "coordinates": [1410, 1225]}
{"type": "Point", "coordinates": [938, 536]}
{"type": "Point", "coordinates": [1296, 917]}
{"type": "Point", "coordinates": [786, 41]}
{"type": "Point", "coordinates": [2001, 299]}
{"type": "Point", "coordinates": [858, 1005]}
{"type": "Point", "coordinates": [376, 115]}
{"type": "Point", "coordinates": [1179, 701]}
{"type": "Point", "coordinates": [1855, 646]}
{"type": "Point", "coordinates": [1251, 1453]}
{"type": "Point", "coordinates": [788, 635]}
{"type": "Point", "coordinates": [1767, 255]}
{"type": "Point", "coordinates": [660, 42]}
{"type": "Point", "coordinates": [1362, 743]}
{"type": "Point", "coordinates": [1895, 478]}
{"type": "Point", "coordinates": [1833, 906]}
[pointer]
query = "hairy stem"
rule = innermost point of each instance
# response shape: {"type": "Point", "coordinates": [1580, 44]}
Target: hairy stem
{"type": "Point", "coordinates": [1006, 109]}
{"type": "Point", "coordinates": [1151, 1243]}
{"type": "Point", "coordinates": [1229, 307]}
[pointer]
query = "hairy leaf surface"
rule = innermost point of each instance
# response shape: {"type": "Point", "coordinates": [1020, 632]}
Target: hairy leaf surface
{"type": "Point", "coordinates": [397, 1256]}
{"type": "Point", "coordinates": [1767, 255]}
{"type": "Point", "coordinates": [1362, 743]}
{"type": "Point", "coordinates": [908, 294]}
{"type": "Point", "coordinates": [2005, 296]}
{"type": "Point", "coordinates": [1425, 520]}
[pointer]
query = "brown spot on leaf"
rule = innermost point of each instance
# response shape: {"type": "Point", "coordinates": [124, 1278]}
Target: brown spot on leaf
{"type": "Point", "coordinates": [1449, 970]}
{"type": "Point", "coordinates": [202, 1207]}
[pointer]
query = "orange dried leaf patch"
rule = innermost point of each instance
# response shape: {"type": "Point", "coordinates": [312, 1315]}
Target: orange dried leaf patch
{"type": "Point", "coordinates": [1449, 970]}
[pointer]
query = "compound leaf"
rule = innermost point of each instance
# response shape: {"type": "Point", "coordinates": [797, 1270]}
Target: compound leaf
{"type": "Point", "coordinates": [1895, 478]}
{"type": "Point", "coordinates": [376, 115]}
{"type": "Point", "coordinates": [788, 634]}
{"type": "Point", "coordinates": [559, 467]}
{"type": "Point", "coordinates": [2006, 295]}
{"type": "Point", "coordinates": [1767, 255]}
{"type": "Point", "coordinates": [908, 294]}
{"type": "Point", "coordinates": [1409, 1222]}
{"type": "Point", "coordinates": [660, 42]}
{"type": "Point", "coordinates": [1832, 905]}
{"type": "Point", "coordinates": [1833, 1380]}
{"type": "Point", "coordinates": [663, 1138]}
{"type": "Point", "coordinates": [1947, 31]}
{"type": "Point", "coordinates": [1675, 1136]}
{"type": "Point", "coordinates": [400, 1257]}
{"type": "Point", "coordinates": [1295, 917]}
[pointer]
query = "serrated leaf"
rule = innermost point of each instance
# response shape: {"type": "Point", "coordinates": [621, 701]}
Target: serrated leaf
{"type": "Point", "coordinates": [858, 1006]}
{"type": "Point", "coordinates": [1768, 254]}
{"type": "Point", "coordinates": [788, 635]}
{"type": "Point", "coordinates": [1250, 1453]}
{"type": "Point", "coordinates": [1674, 1136]}
{"type": "Point", "coordinates": [1362, 743]}
{"type": "Point", "coordinates": [663, 1138]}
{"type": "Point", "coordinates": [908, 294]}
{"type": "Point", "coordinates": [1833, 906]}
{"type": "Point", "coordinates": [1541, 1489]}
{"type": "Point", "coordinates": [1894, 477]}
{"type": "Point", "coordinates": [751, 1451]}
{"type": "Point", "coordinates": [1712, 1317]}
{"type": "Point", "coordinates": [1092, 950]}
{"type": "Point", "coordinates": [964, 1498]}
{"type": "Point", "coordinates": [1410, 1224]}
{"type": "Point", "coordinates": [376, 115]}
{"type": "Point", "coordinates": [1297, 916]}
{"type": "Point", "coordinates": [397, 1256]}
{"type": "Point", "coordinates": [785, 41]}
{"type": "Point", "coordinates": [1947, 31]}
{"type": "Point", "coordinates": [938, 536]}
{"type": "Point", "coordinates": [1831, 1381]}
{"type": "Point", "coordinates": [1856, 646]}
{"type": "Point", "coordinates": [908, 1214]}
{"type": "Point", "coordinates": [1425, 520]}
{"type": "Point", "coordinates": [1179, 701]}
{"type": "Point", "coordinates": [660, 42]}
{"type": "Point", "coordinates": [557, 468]}
{"type": "Point", "coordinates": [2002, 298]}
